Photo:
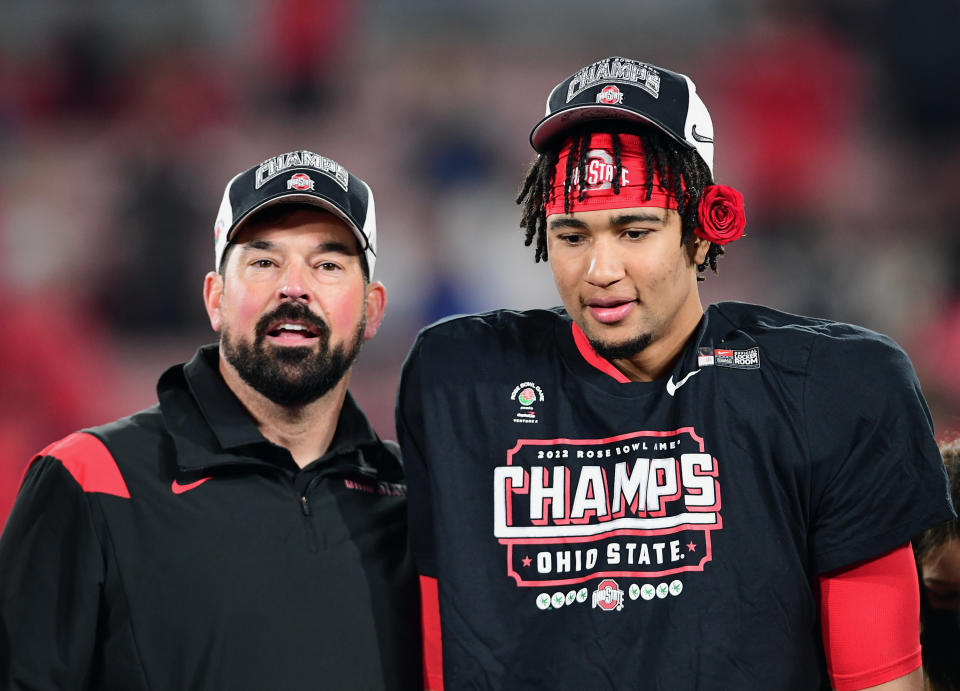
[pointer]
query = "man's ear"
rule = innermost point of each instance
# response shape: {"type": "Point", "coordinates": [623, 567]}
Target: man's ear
{"type": "Point", "coordinates": [697, 249]}
{"type": "Point", "coordinates": [375, 304]}
{"type": "Point", "coordinates": [212, 295]}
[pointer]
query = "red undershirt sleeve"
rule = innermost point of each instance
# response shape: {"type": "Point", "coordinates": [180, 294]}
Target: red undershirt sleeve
{"type": "Point", "coordinates": [432, 646]}
{"type": "Point", "coordinates": [870, 616]}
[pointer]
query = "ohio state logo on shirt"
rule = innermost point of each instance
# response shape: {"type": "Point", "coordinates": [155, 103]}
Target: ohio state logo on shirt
{"type": "Point", "coordinates": [608, 595]}
{"type": "Point", "coordinates": [637, 505]}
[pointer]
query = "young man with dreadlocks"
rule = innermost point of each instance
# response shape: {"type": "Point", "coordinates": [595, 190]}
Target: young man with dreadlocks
{"type": "Point", "coordinates": [632, 492]}
{"type": "Point", "coordinates": [937, 552]}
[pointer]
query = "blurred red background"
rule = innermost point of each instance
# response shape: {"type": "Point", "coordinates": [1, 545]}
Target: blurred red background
{"type": "Point", "coordinates": [119, 126]}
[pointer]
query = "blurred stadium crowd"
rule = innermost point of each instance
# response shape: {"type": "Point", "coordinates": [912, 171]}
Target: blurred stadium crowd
{"type": "Point", "coordinates": [120, 123]}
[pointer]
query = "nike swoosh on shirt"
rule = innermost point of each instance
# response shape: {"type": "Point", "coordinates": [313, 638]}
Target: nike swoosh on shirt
{"type": "Point", "coordinates": [672, 388]}
{"type": "Point", "coordinates": [180, 489]}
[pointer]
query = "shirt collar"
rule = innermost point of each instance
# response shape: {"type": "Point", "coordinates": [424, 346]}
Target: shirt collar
{"type": "Point", "coordinates": [583, 361]}
{"type": "Point", "coordinates": [224, 413]}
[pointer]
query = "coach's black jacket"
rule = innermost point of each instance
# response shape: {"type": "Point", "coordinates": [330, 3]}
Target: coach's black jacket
{"type": "Point", "coordinates": [179, 549]}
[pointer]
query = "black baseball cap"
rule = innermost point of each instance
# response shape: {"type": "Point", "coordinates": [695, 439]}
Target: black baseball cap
{"type": "Point", "coordinates": [298, 177]}
{"type": "Point", "coordinates": [622, 89]}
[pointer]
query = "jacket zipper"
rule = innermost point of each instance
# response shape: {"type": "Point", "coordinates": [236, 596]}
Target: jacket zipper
{"type": "Point", "coordinates": [313, 540]}
{"type": "Point", "coordinates": [316, 542]}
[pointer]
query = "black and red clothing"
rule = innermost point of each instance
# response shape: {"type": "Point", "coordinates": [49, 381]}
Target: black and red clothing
{"type": "Point", "coordinates": [179, 549]}
{"type": "Point", "coordinates": [586, 531]}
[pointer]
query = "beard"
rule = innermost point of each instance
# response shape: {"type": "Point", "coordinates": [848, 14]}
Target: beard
{"type": "Point", "coordinates": [619, 351]}
{"type": "Point", "coordinates": [291, 376]}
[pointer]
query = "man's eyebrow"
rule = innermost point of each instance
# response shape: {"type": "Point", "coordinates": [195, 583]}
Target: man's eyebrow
{"type": "Point", "coordinates": [336, 246]}
{"type": "Point", "coordinates": [566, 222]}
{"type": "Point", "coordinates": [625, 219]}
{"type": "Point", "coordinates": [258, 245]}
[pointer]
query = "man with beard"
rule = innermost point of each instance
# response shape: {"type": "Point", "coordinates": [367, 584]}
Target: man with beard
{"type": "Point", "coordinates": [937, 552]}
{"type": "Point", "coordinates": [249, 530]}
{"type": "Point", "coordinates": [632, 492]}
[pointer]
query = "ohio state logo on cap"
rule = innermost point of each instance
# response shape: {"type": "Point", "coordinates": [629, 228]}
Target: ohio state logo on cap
{"type": "Point", "coordinates": [608, 596]}
{"type": "Point", "coordinates": [300, 181]}
{"type": "Point", "coordinates": [610, 95]}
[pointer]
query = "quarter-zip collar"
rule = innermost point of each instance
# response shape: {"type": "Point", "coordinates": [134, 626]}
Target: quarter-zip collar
{"type": "Point", "coordinates": [211, 427]}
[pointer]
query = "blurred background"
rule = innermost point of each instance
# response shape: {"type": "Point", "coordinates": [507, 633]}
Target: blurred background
{"type": "Point", "coordinates": [121, 122]}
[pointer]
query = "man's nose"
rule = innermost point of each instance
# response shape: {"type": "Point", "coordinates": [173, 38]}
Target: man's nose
{"type": "Point", "coordinates": [606, 264]}
{"type": "Point", "coordinates": [293, 285]}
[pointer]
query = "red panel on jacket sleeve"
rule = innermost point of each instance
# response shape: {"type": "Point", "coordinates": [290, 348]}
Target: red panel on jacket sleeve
{"type": "Point", "coordinates": [870, 616]}
{"type": "Point", "coordinates": [432, 646]}
{"type": "Point", "coordinates": [90, 463]}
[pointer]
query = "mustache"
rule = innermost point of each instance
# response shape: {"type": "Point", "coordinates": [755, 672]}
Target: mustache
{"type": "Point", "coordinates": [292, 311]}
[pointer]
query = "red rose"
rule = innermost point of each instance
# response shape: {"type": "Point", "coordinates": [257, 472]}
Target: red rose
{"type": "Point", "coordinates": [722, 217]}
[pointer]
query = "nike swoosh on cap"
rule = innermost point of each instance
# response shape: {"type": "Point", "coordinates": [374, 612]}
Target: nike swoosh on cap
{"type": "Point", "coordinates": [699, 137]}
{"type": "Point", "coordinates": [672, 388]}
{"type": "Point", "coordinates": [180, 489]}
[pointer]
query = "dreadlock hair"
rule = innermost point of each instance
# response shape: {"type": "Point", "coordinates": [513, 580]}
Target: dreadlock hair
{"type": "Point", "coordinates": [680, 168]}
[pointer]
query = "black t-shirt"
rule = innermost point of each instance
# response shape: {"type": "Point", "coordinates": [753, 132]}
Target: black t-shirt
{"type": "Point", "coordinates": [593, 533]}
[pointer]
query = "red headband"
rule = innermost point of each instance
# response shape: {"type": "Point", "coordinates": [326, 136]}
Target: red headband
{"type": "Point", "coordinates": [598, 180]}
{"type": "Point", "coordinates": [720, 211]}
